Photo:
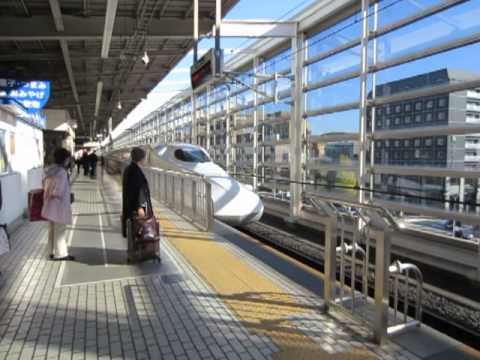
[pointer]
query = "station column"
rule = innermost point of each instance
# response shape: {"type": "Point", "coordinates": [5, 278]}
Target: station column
{"type": "Point", "coordinates": [297, 126]}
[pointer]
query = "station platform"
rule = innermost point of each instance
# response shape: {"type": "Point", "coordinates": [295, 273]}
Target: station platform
{"type": "Point", "coordinates": [219, 295]}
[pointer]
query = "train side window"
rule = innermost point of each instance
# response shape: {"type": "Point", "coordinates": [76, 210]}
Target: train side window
{"type": "Point", "coordinates": [193, 155]}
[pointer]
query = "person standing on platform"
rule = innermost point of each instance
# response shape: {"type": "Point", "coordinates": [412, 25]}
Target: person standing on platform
{"type": "Point", "coordinates": [135, 190]}
{"type": "Point", "coordinates": [102, 165]}
{"type": "Point", "coordinates": [85, 162]}
{"type": "Point", "coordinates": [78, 162]}
{"type": "Point", "coordinates": [92, 161]}
{"type": "Point", "coordinates": [57, 208]}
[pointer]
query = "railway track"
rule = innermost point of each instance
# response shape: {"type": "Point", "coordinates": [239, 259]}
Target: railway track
{"type": "Point", "coordinates": [457, 315]}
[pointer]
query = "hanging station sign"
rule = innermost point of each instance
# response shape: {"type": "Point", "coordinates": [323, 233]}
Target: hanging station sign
{"type": "Point", "coordinates": [31, 96]}
{"type": "Point", "coordinates": [209, 66]}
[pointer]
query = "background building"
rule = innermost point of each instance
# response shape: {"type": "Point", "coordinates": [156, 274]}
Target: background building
{"type": "Point", "coordinates": [454, 152]}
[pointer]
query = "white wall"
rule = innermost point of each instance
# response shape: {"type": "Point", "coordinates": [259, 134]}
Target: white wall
{"type": "Point", "coordinates": [56, 118]}
{"type": "Point", "coordinates": [13, 204]}
{"type": "Point", "coordinates": [60, 120]}
{"type": "Point", "coordinates": [24, 150]}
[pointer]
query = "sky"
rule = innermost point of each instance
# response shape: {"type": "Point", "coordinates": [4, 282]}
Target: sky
{"type": "Point", "coordinates": [179, 78]}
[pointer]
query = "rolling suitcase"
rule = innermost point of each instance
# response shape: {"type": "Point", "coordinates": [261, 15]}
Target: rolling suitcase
{"type": "Point", "coordinates": [35, 204]}
{"type": "Point", "coordinates": [143, 238]}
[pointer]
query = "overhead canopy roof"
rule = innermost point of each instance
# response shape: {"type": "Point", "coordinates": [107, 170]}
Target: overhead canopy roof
{"type": "Point", "coordinates": [63, 41]}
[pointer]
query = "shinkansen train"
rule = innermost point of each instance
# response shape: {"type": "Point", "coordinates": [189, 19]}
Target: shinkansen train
{"type": "Point", "coordinates": [234, 203]}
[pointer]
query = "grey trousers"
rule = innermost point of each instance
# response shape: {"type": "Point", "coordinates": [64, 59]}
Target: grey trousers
{"type": "Point", "coordinates": [57, 239]}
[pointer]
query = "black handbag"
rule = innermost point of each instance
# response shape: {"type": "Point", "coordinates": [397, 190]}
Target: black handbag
{"type": "Point", "coordinates": [146, 229]}
{"type": "Point", "coordinates": [72, 198]}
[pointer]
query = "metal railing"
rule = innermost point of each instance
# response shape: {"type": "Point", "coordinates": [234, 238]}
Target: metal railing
{"type": "Point", "coordinates": [347, 256]}
{"type": "Point", "coordinates": [402, 283]}
{"type": "Point", "coordinates": [188, 195]}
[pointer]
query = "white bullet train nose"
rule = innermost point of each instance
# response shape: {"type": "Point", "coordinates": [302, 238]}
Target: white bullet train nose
{"type": "Point", "coordinates": [234, 203]}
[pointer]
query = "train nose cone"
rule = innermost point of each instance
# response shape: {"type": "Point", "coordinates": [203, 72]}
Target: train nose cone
{"type": "Point", "coordinates": [234, 203]}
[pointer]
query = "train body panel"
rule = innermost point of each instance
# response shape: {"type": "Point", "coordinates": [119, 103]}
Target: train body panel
{"type": "Point", "coordinates": [233, 202]}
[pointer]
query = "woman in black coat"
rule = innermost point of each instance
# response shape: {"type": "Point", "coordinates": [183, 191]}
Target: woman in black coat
{"type": "Point", "coordinates": [135, 191]}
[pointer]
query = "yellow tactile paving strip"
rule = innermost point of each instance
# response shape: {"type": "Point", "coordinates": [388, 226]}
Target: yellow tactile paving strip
{"type": "Point", "coordinates": [259, 304]}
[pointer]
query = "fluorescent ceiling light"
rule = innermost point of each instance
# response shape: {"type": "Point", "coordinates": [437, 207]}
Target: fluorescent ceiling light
{"type": "Point", "coordinates": [98, 98]}
{"type": "Point", "coordinates": [108, 30]}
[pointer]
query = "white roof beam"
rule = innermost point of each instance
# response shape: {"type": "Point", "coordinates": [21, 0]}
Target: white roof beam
{"type": "Point", "coordinates": [189, 11]}
{"type": "Point", "coordinates": [57, 15]}
{"type": "Point", "coordinates": [59, 26]}
{"type": "Point", "coordinates": [258, 29]}
{"type": "Point", "coordinates": [93, 28]}
{"type": "Point", "coordinates": [164, 7]}
{"type": "Point", "coordinates": [108, 29]}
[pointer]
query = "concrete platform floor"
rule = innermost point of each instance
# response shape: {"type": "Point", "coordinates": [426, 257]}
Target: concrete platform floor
{"type": "Point", "coordinates": [214, 296]}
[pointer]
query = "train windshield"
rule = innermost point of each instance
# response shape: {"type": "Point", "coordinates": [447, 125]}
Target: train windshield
{"type": "Point", "coordinates": [191, 155]}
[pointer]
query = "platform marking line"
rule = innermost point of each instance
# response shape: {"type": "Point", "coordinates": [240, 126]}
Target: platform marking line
{"type": "Point", "coordinates": [61, 271]}
{"type": "Point", "coordinates": [102, 236]}
{"type": "Point", "coordinates": [259, 305]}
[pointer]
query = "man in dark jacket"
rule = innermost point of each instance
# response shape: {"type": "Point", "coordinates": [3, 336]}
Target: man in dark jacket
{"type": "Point", "coordinates": [92, 160]}
{"type": "Point", "coordinates": [135, 192]}
{"type": "Point", "coordinates": [85, 162]}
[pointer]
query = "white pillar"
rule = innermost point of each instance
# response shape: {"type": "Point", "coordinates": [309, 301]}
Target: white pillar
{"type": "Point", "coordinates": [207, 113]}
{"type": "Point", "coordinates": [297, 127]}
{"type": "Point", "coordinates": [227, 132]}
{"type": "Point", "coordinates": [363, 101]}
{"type": "Point", "coordinates": [372, 109]}
{"type": "Point", "coordinates": [255, 125]}
{"type": "Point", "coordinates": [194, 118]}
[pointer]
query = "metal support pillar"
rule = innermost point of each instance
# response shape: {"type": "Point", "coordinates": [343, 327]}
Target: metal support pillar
{"type": "Point", "coordinates": [218, 20]}
{"type": "Point", "coordinates": [330, 262]}
{"type": "Point", "coordinates": [194, 118]}
{"type": "Point", "coordinates": [363, 101]}
{"type": "Point", "coordinates": [447, 192]}
{"type": "Point", "coordinates": [228, 146]}
{"type": "Point", "coordinates": [382, 263]}
{"type": "Point", "coordinates": [255, 125]}
{"type": "Point", "coordinates": [297, 127]}
{"type": "Point", "coordinates": [207, 113]}
{"type": "Point", "coordinates": [195, 31]}
{"type": "Point", "coordinates": [477, 200]}
{"type": "Point", "coordinates": [233, 137]}
{"type": "Point", "coordinates": [209, 204]}
{"type": "Point", "coordinates": [374, 94]}
{"type": "Point", "coordinates": [461, 194]}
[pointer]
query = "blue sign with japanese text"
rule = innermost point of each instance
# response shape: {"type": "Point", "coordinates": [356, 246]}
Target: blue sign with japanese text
{"type": "Point", "coordinates": [32, 96]}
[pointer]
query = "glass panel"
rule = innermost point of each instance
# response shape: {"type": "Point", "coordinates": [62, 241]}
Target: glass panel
{"type": "Point", "coordinates": [279, 63]}
{"type": "Point", "coordinates": [244, 120]}
{"type": "Point", "coordinates": [339, 122]}
{"type": "Point", "coordinates": [391, 11]}
{"type": "Point", "coordinates": [338, 183]}
{"type": "Point", "coordinates": [274, 181]}
{"type": "Point", "coordinates": [343, 152]}
{"type": "Point", "coordinates": [336, 65]}
{"type": "Point", "coordinates": [335, 36]}
{"type": "Point", "coordinates": [338, 94]}
{"type": "Point", "coordinates": [454, 23]}
{"type": "Point", "coordinates": [437, 192]}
